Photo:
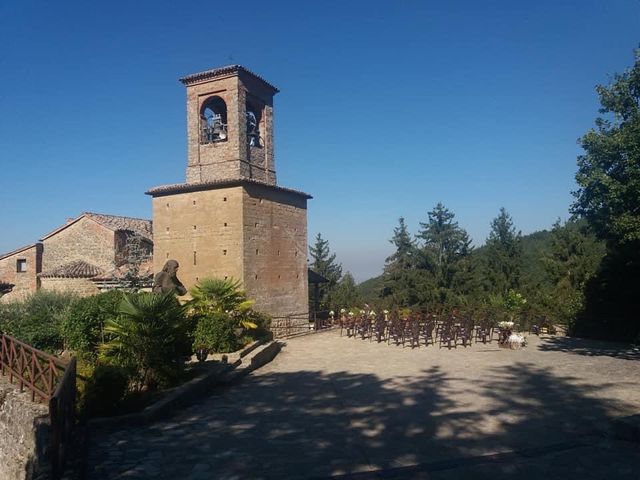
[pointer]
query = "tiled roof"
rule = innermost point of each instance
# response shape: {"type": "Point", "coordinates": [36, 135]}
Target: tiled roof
{"type": "Point", "coordinates": [232, 182]}
{"type": "Point", "coordinates": [76, 269]}
{"type": "Point", "coordinates": [145, 272]}
{"type": "Point", "coordinates": [221, 71]}
{"type": "Point", "coordinates": [113, 222]}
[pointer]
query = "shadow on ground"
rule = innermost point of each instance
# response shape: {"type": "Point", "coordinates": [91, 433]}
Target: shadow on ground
{"type": "Point", "coordinates": [308, 424]}
{"type": "Point", "coordinates": [580, 346]}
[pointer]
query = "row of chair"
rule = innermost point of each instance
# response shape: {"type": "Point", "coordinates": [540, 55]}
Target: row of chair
{"type": "Point", "coordinates": [421, 329]}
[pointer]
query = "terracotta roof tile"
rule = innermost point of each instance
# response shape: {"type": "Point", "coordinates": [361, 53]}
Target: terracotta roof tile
{"type": "Point", "coordinates": [145, 272]}
{"type": "Point", "coordinates": [76, 269]}
{"type": "Point", "coordinates": [231, 182]}
{"type": "Point", "coordinates": [115, 222]}
{"type": "Point", "coordinates": [221, 71]}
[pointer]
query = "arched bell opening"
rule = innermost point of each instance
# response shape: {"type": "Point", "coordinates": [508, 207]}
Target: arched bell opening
{"type": "Point", "coordinates": [213, 121]}
{"type": "Point", "coordinates": [253, 117]}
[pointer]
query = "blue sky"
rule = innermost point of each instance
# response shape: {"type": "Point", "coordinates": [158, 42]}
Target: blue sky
{"type": "Point", "coordinates": [386, 108]}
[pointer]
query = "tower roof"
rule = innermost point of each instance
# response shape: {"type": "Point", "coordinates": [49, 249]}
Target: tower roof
{"type": "Point", "coordinates": [224, 71]}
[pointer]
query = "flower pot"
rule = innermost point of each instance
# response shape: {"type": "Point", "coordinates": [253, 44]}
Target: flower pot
{"type": "Point", "coordinates": [201, 354]}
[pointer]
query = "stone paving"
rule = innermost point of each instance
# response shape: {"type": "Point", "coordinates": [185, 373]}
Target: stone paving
{"type": "Point", "coordinates": [344, 407]}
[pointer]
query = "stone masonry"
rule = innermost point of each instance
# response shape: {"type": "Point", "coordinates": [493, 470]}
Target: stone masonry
{"type": "Point", "coordinates": [24, 433]}
{"type": "Point", "coordinates": [230, 219]}
{"type": "Point", "coordinates": [21, 268]}
{"type": "Point", "coordinates": [239, 89]}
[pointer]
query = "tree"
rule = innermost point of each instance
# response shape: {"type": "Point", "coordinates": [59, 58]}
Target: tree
{"type": "Point", "coordinates": [503, 255]}
{"type": "Point", "coordinates": [346, 293]}
{"type": "Point", "coordinates": [570, 261]}
{"type": "Point", "coordinates": [402, 282]}
{"type": "Point", "coordinates": [609, 171]}
{"type": "Point", "coordinates": [446, 246]}
{"type": "Point", "coordinates": [324, 263]}
{"type": "Point", "coordinates": [608, 196]}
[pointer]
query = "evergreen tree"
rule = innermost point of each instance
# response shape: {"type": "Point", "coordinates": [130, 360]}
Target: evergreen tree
{"type": "Point", "coordinates": [446, 246]}
{"type": "Point", "coordinates": [324, 263]}
{"type": "Point", "coordinates": [346, 293]}
{"type": "Point", "coordinates": [402, 282]}
{"type": "Point", "coordinates": [503, 255]}
{"type": "Point", "coordinates": [570, 261]}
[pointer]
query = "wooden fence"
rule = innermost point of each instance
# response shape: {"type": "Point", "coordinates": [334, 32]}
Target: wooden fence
{"type": "Point", "coordinates": [50, 380]}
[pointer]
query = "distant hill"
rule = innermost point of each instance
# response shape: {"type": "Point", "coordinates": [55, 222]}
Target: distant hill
{"type": "Point", "coordinates": [369, 290]}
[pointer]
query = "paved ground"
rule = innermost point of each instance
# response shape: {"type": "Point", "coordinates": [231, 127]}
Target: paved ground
{"type": "Point", "coordinates": [333, 406]}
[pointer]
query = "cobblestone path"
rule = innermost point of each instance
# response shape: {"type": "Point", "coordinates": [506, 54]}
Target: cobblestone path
{"type": "Point", "coordinates": [332, 406]}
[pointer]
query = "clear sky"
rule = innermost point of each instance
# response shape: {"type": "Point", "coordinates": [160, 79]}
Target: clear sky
{"type": "Point", "coordinates": [386, 108]}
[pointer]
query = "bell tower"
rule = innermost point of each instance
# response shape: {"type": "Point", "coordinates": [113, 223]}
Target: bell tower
{"type": "Point", "coordinates": [229, 126]}
{"type": "Point", "coordinates": [230, 219]}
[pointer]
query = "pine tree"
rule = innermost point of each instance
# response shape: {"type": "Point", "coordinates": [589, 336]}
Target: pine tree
{"type": "Point", "coordinates": [446, 246]}
{"type": "Point", "coordinates": [346, 293]}
{"type": "Point", "coordinates": [402, 284]}
{"type": "Point", "coordinates": [570, 262]}
{"type": "Point", "coordinates": [503, 255]}
{"type": "Point", "coordinates": [324, 263]}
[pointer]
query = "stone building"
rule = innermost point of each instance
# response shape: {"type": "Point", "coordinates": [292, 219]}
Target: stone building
{"type": "Point", "coordinates": [72, 257]}
{"type": "Point", "coordinates": [231, 219]}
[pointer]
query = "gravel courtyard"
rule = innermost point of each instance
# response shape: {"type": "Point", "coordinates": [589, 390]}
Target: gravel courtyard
{"type": "Point", "coordinates": [336, 406]}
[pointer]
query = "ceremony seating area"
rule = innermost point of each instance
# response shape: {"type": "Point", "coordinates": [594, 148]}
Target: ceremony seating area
{"type": "Point", "coordinates": [446, 329]}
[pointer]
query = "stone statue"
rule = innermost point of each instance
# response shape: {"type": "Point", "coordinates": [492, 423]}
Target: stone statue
{"type": "Point", "coordinates": [167, 280]}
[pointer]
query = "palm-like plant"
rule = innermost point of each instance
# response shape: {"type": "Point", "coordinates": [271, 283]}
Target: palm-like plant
{"type": "Point", "coordinates": [213, 296]}
{"type": "Point", "coordinates": [146, 338]}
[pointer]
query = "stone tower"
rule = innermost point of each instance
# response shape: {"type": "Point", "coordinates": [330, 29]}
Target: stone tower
{"type": "Point", "coordinates": [230, 219]}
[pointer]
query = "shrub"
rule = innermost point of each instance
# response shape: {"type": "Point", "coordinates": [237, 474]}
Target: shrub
{"type": "Point", "coordinates": [104, 391]}
{"type": "Point", "coordinates": [82, 327]}
{"type": "Point", "coordinates": [146, 338]}
{"type": "Point", "coordinates": [216, 332]}
{"type": "Point", "coordinates": [223, 315]}
{"type": "Point", "coordinates": [36, 319]}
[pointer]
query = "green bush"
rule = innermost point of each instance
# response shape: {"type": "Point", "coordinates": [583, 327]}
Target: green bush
{"type": "Point", "coordinates": [82, 327]}
{"type": "Point", "coordinates": [36, 319]}
{"type": "Point", "coordinates": [216, 332]}
{"type": "Point", "coordinates": [262, 322]}
{"type": "Point", "coordinates": [104, 391]}
{"type": "Point", "coordinates": [147, 338]}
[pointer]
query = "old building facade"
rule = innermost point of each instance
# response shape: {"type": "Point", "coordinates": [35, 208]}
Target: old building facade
{"type": "Point", "coordinates": [231, 219]}
{"type": "Point", "coordinates": [70, 257]}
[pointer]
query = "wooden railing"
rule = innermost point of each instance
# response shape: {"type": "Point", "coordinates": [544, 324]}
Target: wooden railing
{"type": "Point", "coordinates": [49, 380]}
{"type": "Point", "coordinates": [298, 323]}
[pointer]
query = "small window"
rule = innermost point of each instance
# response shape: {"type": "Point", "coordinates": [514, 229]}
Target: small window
{"type": "Point", "coordinates": [224, 252]}
{"type": "Point", "coordinates": [225, 224]}
{"type": "Point", "coordinates": [194, 258]}
{"type": "Point", "coordinates": [21, 265]}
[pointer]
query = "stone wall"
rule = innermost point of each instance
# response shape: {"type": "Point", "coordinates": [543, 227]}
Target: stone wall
{"type": "Point", "coordinates": [24, 434]}
{"type": "Point", "coordinates": [83, 240]}
{"type": "Point", "coordinates": [202, 231]}
{"type": "Point", "coordinates": [80, 286]}
{"type": "Point", "coordinates": [255, 234]}
{"type": "Point", "coordinates": [232, 158]}
{"type": "Point", "coordinates": [275, 250]}
{"type": "Point", "coordinates": [25, 282]}
{"type": "Point", "coordinates": [220, 160]}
